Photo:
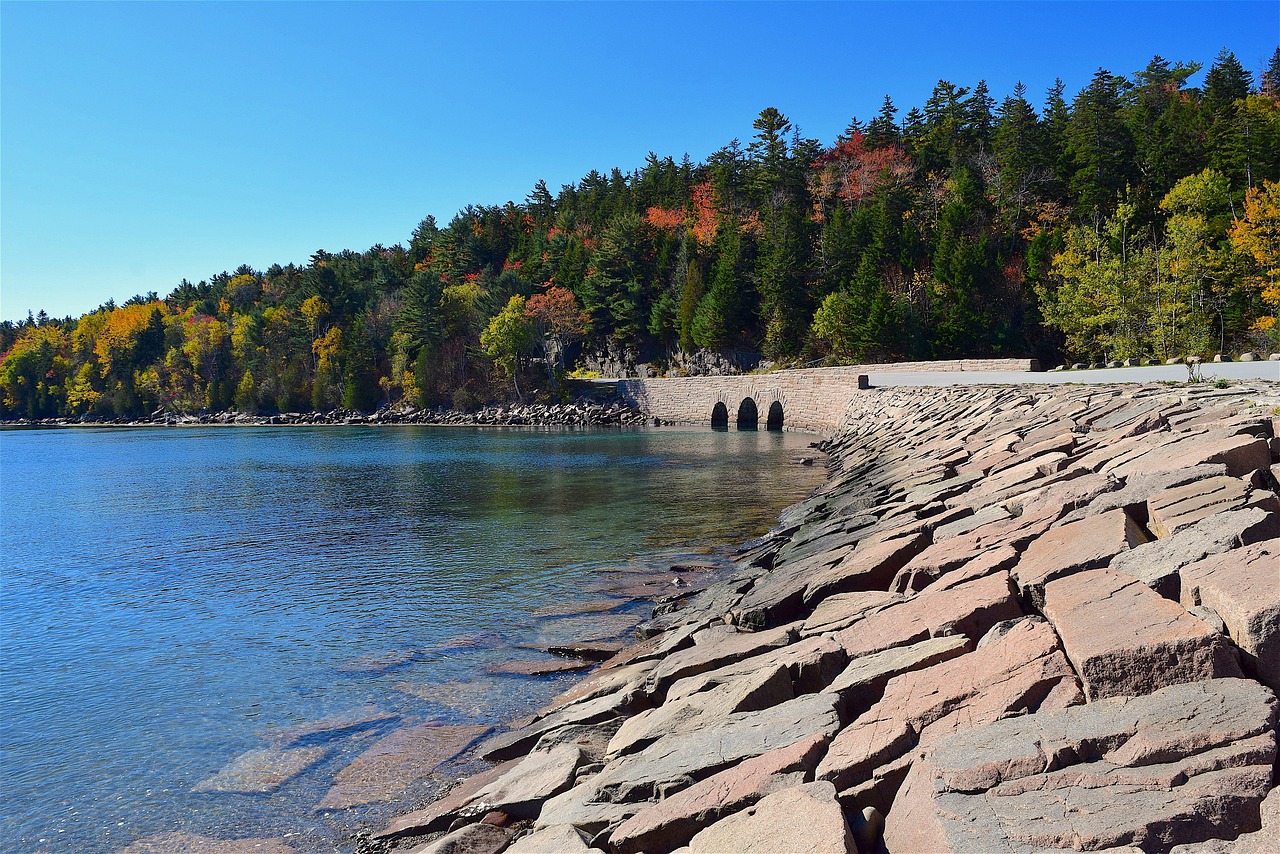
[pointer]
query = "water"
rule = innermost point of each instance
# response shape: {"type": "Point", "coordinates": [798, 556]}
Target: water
{"type": "Point", "coordinates": [173, 598]}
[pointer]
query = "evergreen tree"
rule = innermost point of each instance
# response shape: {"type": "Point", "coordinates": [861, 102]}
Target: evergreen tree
{"type": "Point", "coordinates": [1099, 145]}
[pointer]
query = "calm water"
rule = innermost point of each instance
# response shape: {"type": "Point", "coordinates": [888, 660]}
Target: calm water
{"type": "Point", "coordinates": [170, 598]}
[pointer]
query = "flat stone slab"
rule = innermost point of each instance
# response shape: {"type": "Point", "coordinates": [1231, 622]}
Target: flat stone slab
{"type": "Point", "coordinates": [560, 839]}
{"type": "Point", "coordinates": [1188, 763]}
{"type": "Point", "coordinates": [682, 758]}
{"type": "Point", "coordinates": [190, 843]}
{"type": "Point", "coordinates": [969, 609]}
{"type": "Point", "coordinates": [1021, 670]}
{"type": "Point", "coordinates": [1158, 562]}
{"type": "Point", "coordinates": [439, 814]}
{"type": "Point", "coordinates": [478, 838]}
{"type": "Point", "coordinates": [328, 728]}
{"type": "Point", "coordinates": [723, 645]}
{"type": "Point", "coordinates": [1126, 639]}
{"type": "Point", "coordinates": [837, 612]}
{"type": "Point", "coordinates": [809, 665]}
{"type": "Point", "coordinates": [804, 818]}
{"type": "Point", "coordinates": [521, 791]}
{"type": "Point", "coordinates": [674, 820]}
{"type": "Point", "coordinates": [1176, 508]}
{"type": "Point", "coordinates": [1241, 454]}
{"type": "Point", "coordinates": [393, 762]}
{"type": "Point", "coordinates": [537, 667]}
{"type": "Point", "coordinates": [262, 770]}
{"type": "Point", "coordinates": [759, 687]}
{"type": "Point", "coordinates": [1090, 543]}
{"type": "Point", "coordinates": [862, 683]}
{"type": "Point", "coordinates": [1242, 587]}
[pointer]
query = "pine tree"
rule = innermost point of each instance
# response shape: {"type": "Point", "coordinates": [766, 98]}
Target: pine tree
{"type": "Point", "coordinates": [1099, 145]}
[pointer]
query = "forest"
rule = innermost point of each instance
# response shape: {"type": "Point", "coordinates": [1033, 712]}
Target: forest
{"type": "Point", "coordinates": [1139, 218]}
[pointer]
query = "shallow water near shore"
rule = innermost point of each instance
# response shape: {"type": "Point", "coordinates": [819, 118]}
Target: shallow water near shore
{"type": "Point", "coordinates": [175, 600]}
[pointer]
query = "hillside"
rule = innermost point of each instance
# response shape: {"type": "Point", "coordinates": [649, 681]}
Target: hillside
{"type": "Point", "coordinates": [1137, 218]}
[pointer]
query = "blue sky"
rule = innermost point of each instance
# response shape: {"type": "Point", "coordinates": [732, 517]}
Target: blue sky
{"type": "Point", "coordinates": [142, 143]}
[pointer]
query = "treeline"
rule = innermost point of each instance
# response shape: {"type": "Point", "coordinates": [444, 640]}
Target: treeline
{"type": "Point", "coordinates": [1139, 218]}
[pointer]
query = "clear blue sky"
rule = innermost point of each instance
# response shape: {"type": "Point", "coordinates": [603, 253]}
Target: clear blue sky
{"type": "Point", "coordinates": [146, 142]}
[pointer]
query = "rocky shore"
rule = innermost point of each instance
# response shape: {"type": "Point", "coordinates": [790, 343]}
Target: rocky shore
{"type": "Point", "coordinates": [580, 413]}
{"type": "Point", "coordinates": [1013, 619]}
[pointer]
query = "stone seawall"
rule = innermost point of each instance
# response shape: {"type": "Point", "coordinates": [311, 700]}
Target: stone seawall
{"type": "Point", "coordinates": [809, 398]}
{"type": "Point", "coordinates": [1013, 619]}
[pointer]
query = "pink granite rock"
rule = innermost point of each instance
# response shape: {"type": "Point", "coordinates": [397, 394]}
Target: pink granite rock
{"type": "Point", "coordinates": [802, 820]}
{"type": "Point", "coordinates": [1174, 509]}
{"type": "Point", "coordinates": [1018, 672]}
{"type": "Point", "coordinates": [673, 821]}
{"type": "Point", "coordinates": [1125, 639]}
{"type": "Point", "coordinates": [969, 610]}
{"type": "Point", "coordinates": [1243, 587]}
{"type": "Point", "coordinates": [1241, 454]}
{"type": "Point", "coordinates": [1088, 544]}
{"type": "Point", "coordinates": [393, 761]}
{"type": "Point", "coordinates": [478, 838]}
{"type": "Point", "coordinates": [439, 814]}
{"type": "Point", "coordinates": [1188, 763]}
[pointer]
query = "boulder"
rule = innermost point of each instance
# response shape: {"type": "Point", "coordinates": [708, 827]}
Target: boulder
{"type": "Point", "coordinates": [1020, 671]}
{"type": "Point", "coordinates": [1188, 763]}
{"type": "Point", "coordinates": [478, 838]}
{"type": "Point", "coordinates": [1174, 509]}
{"type": "Point", "coordinates": [1158, 562]}
{"type": "Point", "coordinates": [677, 760]}
{"type": "Point", "coordinates": [969, 609]}
{"type": "Point", "coordinates": [1126, 639]}
{"type": "Point", "coordinates": [862, 683]}
{"type": "Point", "coordinates": [521, 791]}
{"type": "Point", "coordinates": [673, 821]}
{"type": "Point", "coordinates": [439, 814]}
{"type": "Point", "coordinates": [1087, 544]}
{"type": "Point", "coordinates": [1242, 587]}
{"type": "Point", "coordinates": [804, 819]}
{"type": "Point", "coordinates": [809, 665]}
{"type": "Point", "coordinates": [560, 839]}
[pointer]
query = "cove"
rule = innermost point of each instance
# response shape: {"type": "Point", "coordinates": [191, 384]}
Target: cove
{"type": "Point", "coordinates": [174, 599]}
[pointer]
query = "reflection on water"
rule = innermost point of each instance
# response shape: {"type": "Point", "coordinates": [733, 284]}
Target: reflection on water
{"type": "Point", "coordinates": [171, 598]}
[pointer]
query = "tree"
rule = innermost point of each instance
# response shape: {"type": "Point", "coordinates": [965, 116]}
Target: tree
{"type": "Point", "coordinates": [1099, 145]}
{"type": "Point", "coordinates": [507, 339]}
{"type": "Point", "coordinates": [1256, 237]}
{"type": "Point", "coordinates": [556, 321]}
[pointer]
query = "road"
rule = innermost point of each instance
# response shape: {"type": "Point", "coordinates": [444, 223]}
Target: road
{"type": "Point", "coordinates": [1158, 373]}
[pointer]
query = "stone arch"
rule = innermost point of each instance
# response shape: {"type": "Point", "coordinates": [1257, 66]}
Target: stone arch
{"type": "Point", "coordinates": [720, 416]}
{"type": "Point", "coordinates": [748, 415]}
{"type": "Point", "coordinates": [774, 421]}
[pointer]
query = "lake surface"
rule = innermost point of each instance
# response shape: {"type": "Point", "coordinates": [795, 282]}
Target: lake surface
{"type": "Point", "coordinates": [172, 600]}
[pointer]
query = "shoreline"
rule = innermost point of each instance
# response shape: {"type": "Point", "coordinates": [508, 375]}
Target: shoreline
{"type": "Point", "coordinates": [826, 625]}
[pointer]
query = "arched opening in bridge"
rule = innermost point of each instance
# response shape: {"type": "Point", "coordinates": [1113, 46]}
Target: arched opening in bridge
{"type": "Point", "coordinates": [775, 416]}
{"type": "Point", "coordinates": [748, 415]}
{"type": "Point", "coordinates": [720, 417]}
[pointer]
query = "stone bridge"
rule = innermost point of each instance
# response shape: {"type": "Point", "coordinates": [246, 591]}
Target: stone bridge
{"type": "Point", "coordinates": [807, 399]}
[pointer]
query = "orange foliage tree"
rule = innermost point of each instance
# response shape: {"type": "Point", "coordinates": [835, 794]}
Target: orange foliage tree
{"type": "Point", "coordinates": [558, 321]}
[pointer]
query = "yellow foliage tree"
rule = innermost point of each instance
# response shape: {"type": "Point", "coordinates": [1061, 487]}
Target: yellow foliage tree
{"type": "Point", "coordinates": [1256, 236]}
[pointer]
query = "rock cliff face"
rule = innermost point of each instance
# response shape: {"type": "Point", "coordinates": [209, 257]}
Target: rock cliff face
{"type": "Point", "coordinates": [1014, 619]}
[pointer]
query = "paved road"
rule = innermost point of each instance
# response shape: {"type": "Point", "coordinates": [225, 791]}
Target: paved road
{"type": "Point", "coordinates": [1159, 373]}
